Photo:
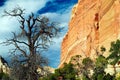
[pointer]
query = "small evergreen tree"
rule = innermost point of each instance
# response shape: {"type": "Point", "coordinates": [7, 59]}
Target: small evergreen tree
{"type": "Point", "coordinates": [100, 65]}
{"type": "Point", "coordinates": [87, 66]}
{"type": "Point", "coordinates": [4, 76]}
{"type": "Point", "coordinates": [66, 73]}
{"type": "Point", "coordinates": [77, 64]}
{"type": "Point", "coordinates": [114, 57]}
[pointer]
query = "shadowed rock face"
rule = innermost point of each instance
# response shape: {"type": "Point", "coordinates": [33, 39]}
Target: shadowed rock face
{"type": "Point", "coordinates": [4, 66]}
{"type": "Point", "coordinates": [94, 23]}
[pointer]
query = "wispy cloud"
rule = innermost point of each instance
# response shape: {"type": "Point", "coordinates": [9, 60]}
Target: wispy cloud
{"type": "Point", "coordinates": [29, 5]}
{"type": "Point", "coordinates": [56, 10]}
{"type": "Point", "coordinates": [54, 51]}
{"type": "Point", "coordinates": [10, 24]}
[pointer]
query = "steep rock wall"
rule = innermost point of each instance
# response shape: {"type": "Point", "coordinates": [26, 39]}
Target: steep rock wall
{"type": "Point", "coordinates": [94, 23]}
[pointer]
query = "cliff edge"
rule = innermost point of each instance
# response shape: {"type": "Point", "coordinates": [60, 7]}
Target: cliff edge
{"type": "Point", "coordinates": [94, 23]}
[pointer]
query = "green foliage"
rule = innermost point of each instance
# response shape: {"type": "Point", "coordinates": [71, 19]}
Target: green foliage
{"type": "Point", "coordinates": [117, 76]}
{"type": "Point", "coordinates": [101, 61]}
{"type": "Point", "coordinates": [100, 65]}
{"type": "Point", "coordinates": [100, 77]}
{"type": "Point", "coordinates": [87, 66]}
{"type": "Point", "coordinates": [103, 49]}
{"type": "Point", "coordinates": [77, 64]}
{"type": "Point", "coordinates": [84, 78]}
{"type": "Point", "coordinates": [4, 76]}
{"type": "Point", "coordinates": [115, 52]}
{"type": "Point", "coordinates": [50, 77]}
{"type": "Point", "coordinates": [76, 60]}
{"type": "Point", "coordinates": [114, 57]}
{"type": "Point", "coordinates": [87, 62]}
{"type": "Point", "coordinates": [109, 77]}
{"type": "Point", "coordinates": [67, 73]}
{"type": "Point", "coordinates": [98, 74]}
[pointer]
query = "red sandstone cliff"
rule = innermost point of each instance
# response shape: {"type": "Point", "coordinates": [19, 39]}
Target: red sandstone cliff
{"type": "Point", "coordinates": [94, 23]}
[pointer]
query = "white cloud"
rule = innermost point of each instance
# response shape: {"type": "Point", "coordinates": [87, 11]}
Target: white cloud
{"type": "Point", "coordinates": [9, 24]}
{"type": "Point", "coordinates": [63, 19]}
{"type": "Point", "coordinates": [57, 17]}
{"type": "Point", "coordinates": [29, 5]}
{"type": "Point", "coordinates": [53, 52]}
{"type": "Point", "coordinates": [6, 23]}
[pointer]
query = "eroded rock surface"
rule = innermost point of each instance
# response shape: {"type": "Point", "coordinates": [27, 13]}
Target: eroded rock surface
{"type": "Point", "coordinates": [94, 23]}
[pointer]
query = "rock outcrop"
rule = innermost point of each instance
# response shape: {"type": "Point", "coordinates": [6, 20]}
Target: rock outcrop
{"type": "Point", "coordinates": [45, 70]}
{"type": "Point", "coordinates": [4, 66]}
{"type": "Point", "coordinates": [94, 23]}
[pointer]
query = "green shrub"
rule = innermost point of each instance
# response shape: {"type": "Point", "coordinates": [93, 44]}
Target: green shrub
{"type": "Point", "coordinates": [4, 76]}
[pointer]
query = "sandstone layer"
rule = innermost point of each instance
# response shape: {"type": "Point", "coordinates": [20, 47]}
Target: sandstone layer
{"type": "Point", "coordinates": [94, 23]}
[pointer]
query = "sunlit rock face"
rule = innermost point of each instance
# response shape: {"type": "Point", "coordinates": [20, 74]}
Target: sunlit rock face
{"type": "Point", "coordinates": [94, 23]}
{"type": "Point", "coordinates": [4, 66]}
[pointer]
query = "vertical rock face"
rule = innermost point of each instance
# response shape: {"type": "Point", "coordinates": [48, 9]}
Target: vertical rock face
{"type": "Point", "coordinates": [94, 23]}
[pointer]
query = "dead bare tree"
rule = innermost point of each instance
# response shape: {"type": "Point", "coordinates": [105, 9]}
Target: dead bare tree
{"type": "Point", "coordinates": [36, 34]}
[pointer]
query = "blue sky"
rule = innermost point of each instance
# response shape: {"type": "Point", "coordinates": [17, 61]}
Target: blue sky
{"type": "Point", "coordinates": [56, 10]}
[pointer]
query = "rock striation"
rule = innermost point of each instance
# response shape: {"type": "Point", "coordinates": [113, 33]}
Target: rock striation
{"type": "Point", "coordinates": [94, 23]}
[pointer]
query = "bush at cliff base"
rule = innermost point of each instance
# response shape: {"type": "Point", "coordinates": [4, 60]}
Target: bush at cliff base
{"type": "Point", "coordinates": [67, 73]}
{"type": "Point", "coordinates": [4, 76]}
{"type": "Point", "coordinates": [117, 76]}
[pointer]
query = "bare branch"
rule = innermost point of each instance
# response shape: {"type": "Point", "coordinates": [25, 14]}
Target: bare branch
{"type": "Point", "coordinates": [34, 20]}
{"type": "Point", "coordinates": [38, 32]}
{"type": "Point", "coordinates": [15, 12]}
{"type": "Point", "coordinates": [16, 45]}
{"type": "Point", "coordinates": [14, 42]}
{"type": "Point", "coordinates": [21, 42]}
